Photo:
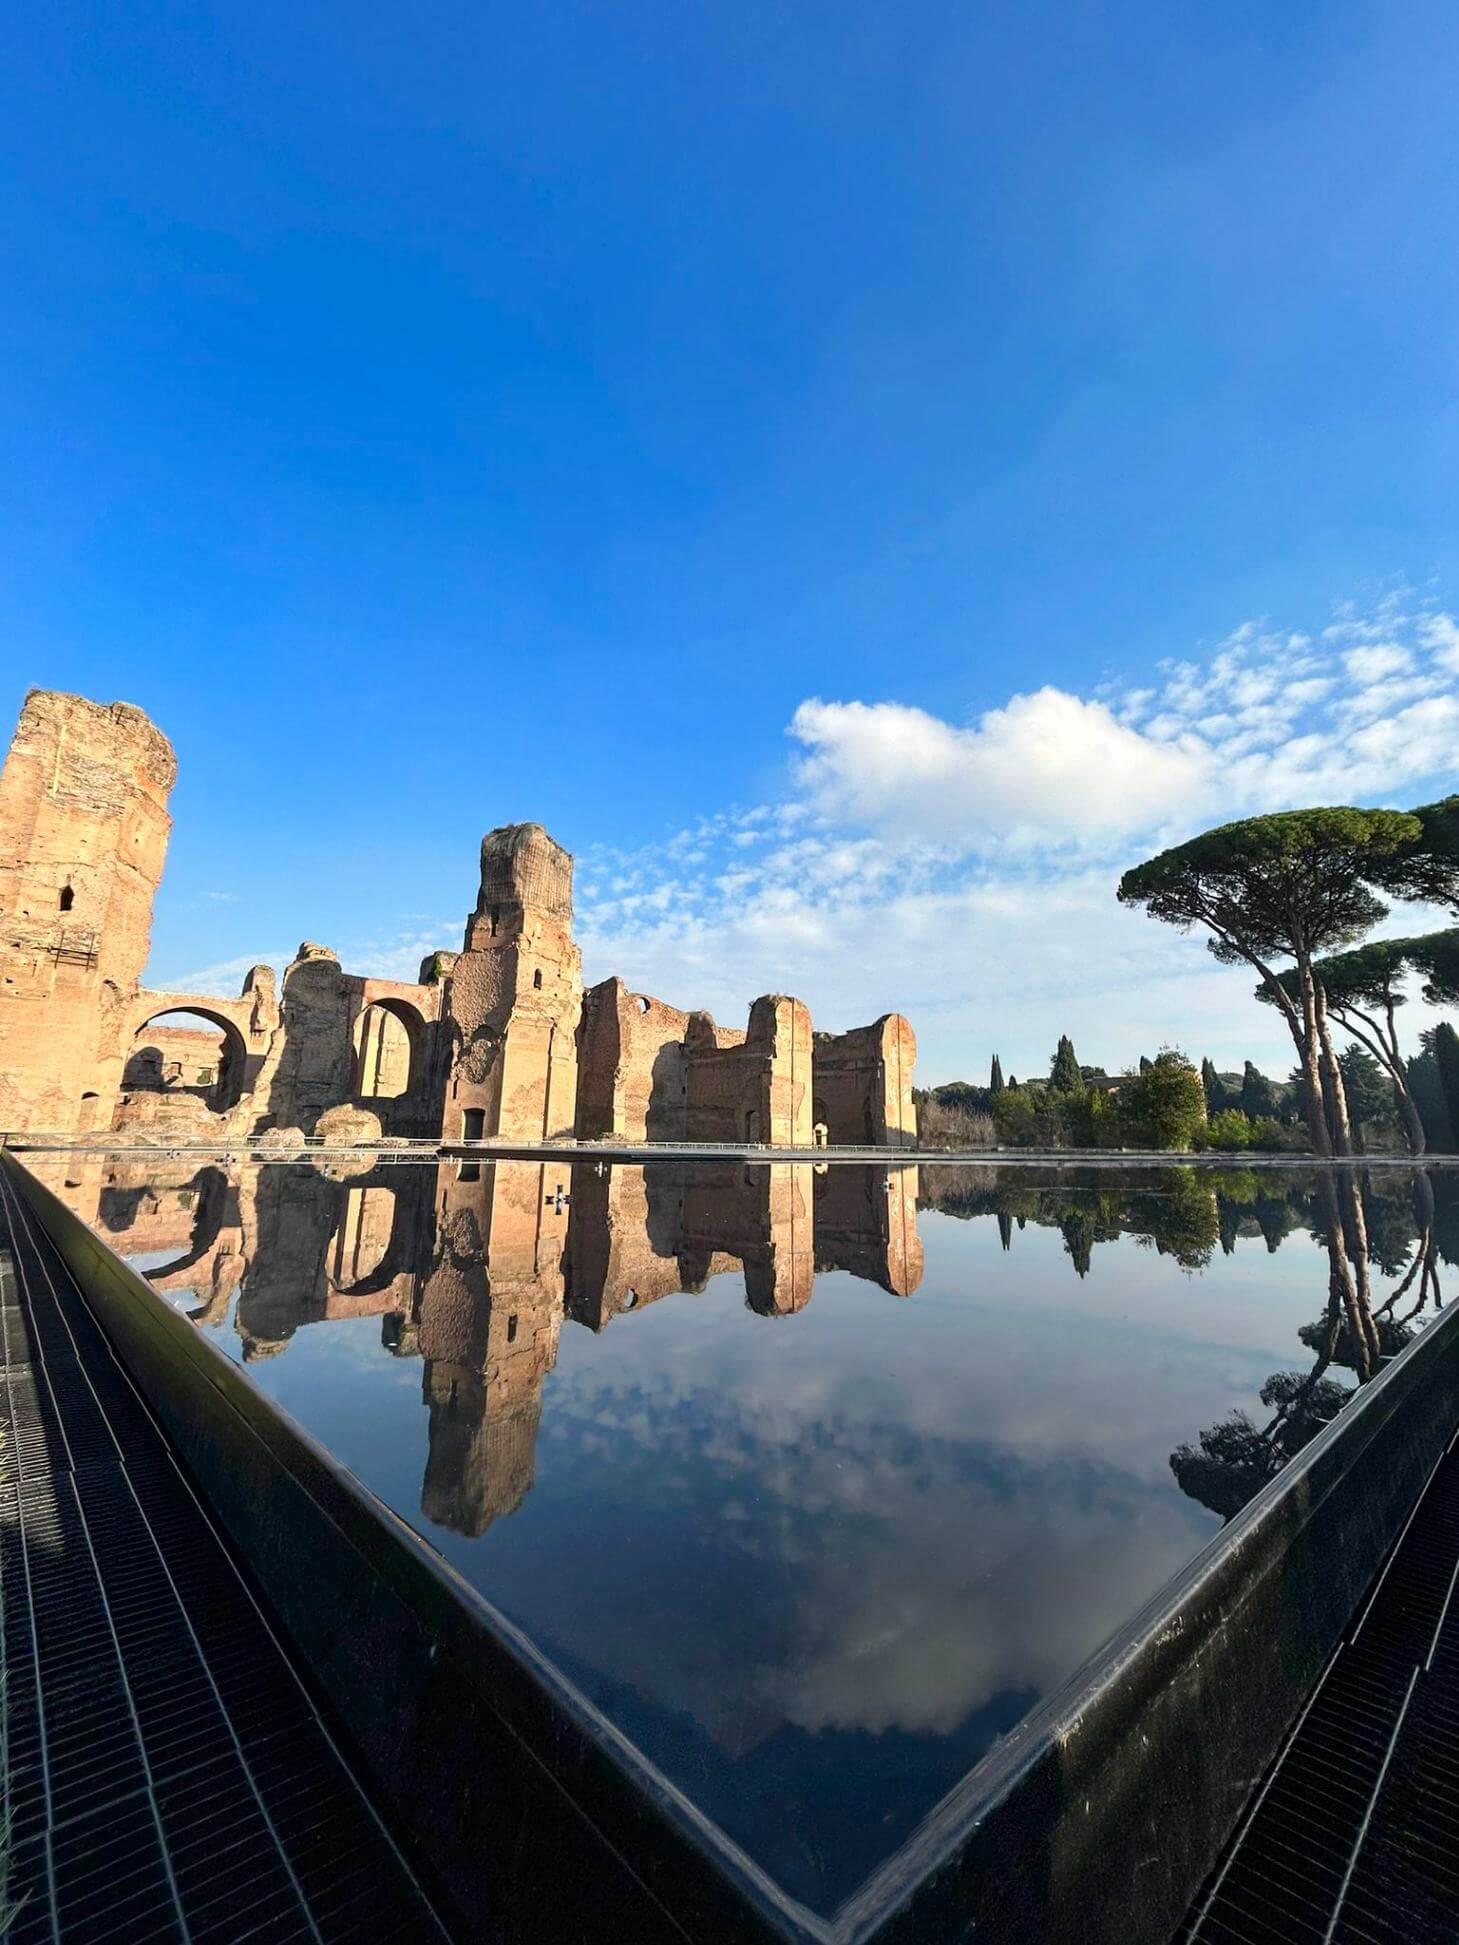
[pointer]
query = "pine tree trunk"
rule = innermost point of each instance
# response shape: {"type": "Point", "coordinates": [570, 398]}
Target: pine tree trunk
{"type": "Point", "coordinates": [1317, 1126]}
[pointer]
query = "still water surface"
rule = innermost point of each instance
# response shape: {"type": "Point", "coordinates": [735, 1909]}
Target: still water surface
{"type": "Point", "coordinates": [815, 1481]}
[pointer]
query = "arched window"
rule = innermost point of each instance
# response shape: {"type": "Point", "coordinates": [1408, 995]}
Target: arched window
{"type": "Point", "coordinates": [387, 1037]}
{"type": "Point", "coordinates": [68, 898]}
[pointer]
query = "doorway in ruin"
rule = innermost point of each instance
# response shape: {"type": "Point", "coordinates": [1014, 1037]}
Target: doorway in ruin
{"type": "Point", "coordinates": [388, 1037]}
{"type": "Point", "coordinates": [362, 1238]}
{"type": "Point", "coordinates": [187, 1056]}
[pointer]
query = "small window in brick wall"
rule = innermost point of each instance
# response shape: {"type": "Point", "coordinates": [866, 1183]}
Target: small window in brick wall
{"type": "Point", "coordinates": [537, 978]}
{"type": "Point", "coordinates": [68, 898]}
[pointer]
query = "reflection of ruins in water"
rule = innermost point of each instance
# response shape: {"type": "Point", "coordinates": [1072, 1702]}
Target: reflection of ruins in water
{"type": "Point", "coordinates": [473, 1268]}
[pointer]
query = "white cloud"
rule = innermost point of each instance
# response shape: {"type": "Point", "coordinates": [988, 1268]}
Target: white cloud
{"type": "Point", "coordinates": [1376, 662]}
{"type": "Point", "coordinates": [1440, 634]}
{"type": "Point", "coordinates": [1047, 767]}
{"type": "Point", "coordinates": [1419, 741]}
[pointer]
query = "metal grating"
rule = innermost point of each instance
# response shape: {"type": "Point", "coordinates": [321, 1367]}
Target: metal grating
{"type": "Point", "coordinates": [1354, 1835]}
{"type": "Point", "coordinates": [166, 1774]}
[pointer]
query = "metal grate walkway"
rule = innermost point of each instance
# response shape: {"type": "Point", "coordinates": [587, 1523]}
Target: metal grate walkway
{"type": "Point", "coordinates": [166, 1775]}
{"type": "Point", "coordinates": [1354, 1835]}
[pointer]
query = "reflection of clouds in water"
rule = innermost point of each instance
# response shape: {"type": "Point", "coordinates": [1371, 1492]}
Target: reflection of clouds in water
{"type": "Point", "coordinates": [880, 1577]}
{"type": "Point", "coordinates": [930, 1635]}
{"type": "Point", "coordinates": [910, 1507]}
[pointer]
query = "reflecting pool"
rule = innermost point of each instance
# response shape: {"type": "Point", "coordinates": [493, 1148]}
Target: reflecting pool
{"type": "Point", "coordinates": [816, 1480]}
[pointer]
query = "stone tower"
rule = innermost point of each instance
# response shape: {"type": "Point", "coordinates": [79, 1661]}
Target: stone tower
{"type": "Point", "coordinates": [83, 835]}
{"type": "Point", "coordinates": [515, 996]}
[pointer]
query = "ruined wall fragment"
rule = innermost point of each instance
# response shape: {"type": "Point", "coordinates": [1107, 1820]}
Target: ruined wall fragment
{"type": "Point", "coordinates": [866, 1223]}
{"type": "Point", "coordinates": [624, 1238]}
{"type": "Point", "coordinates": [632, 1075]}
{"type": "Point", "coordinates": [863, 1085]}
{"type": "Point", "coordinates": [761, 1217]}
{"type": "Point", "coordinates": [758, 1090]}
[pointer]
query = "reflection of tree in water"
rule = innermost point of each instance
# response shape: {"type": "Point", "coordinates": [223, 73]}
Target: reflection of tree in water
{"type": "Point", "coordinates": [1234, 1458]}
{"type": "Point", "coordinates": [1369, 1224]}
{"type": "Point", "coordinates": [1171, 1210]}
{"type": "Point", "coordinates": [1364, 1224]}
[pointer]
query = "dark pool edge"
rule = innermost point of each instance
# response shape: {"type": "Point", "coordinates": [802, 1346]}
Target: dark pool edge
{"type": "Point", "coordinates": [1101, 1814]}
{"type": "Point", "coordinates": [430, 1681]}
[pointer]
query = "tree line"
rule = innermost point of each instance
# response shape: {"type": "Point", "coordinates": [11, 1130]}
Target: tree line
{"type": "Point", "coordinates": [1160, 1103]}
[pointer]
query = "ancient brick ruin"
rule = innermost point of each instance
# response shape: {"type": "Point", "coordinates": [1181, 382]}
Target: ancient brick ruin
{"type": "Point", "coordinates": [475, 1270]}
{"type": "Point", "coordinates": [498, 1040]}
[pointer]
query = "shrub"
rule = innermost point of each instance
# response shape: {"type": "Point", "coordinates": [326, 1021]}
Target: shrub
{"type": "Point", "coordinates": [942, 1126]}
{"type": "Point", "coordinates": [1229, 1129]}
{"type": "Point", "coordinates": [1163, 1102]}
{"type": "Point", "coordinates": [1017, 1115]}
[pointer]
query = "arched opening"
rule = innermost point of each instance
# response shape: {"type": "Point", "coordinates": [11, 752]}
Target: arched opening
{"type": "Point", "coordinates": [387, 1036]}
{"type": "Point", "coordinates": [362, 1238]}
{"type": "Point", "coordinates": [185, 1055]}
{"type": "Point", "coordinates": [752, 1124]}
{"type": "Point", "coordinates": [68, 898]}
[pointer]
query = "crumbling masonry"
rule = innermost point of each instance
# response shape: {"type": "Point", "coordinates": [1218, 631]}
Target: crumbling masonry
{"type": "Point", "coordinates": [499, 1039]}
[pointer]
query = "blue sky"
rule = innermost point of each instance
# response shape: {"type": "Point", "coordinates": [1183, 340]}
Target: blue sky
{"type": "Point", "coordinates": [443, 416]}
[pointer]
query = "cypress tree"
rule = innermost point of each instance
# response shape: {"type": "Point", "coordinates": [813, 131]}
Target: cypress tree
{"type": "Point", "coordinates": [1215, 1093]}
{"type": "Point", "coordinates": [1258, 1096]}
{"type": "Point", "coordinates": [995, 1079]}
{"type": "Point", "coordinates": [1427, 1088]}
{"type": "Point", "coordinates": [1064, 1075]}
{"type": "Point", "coordinates": [1446, 1053]}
